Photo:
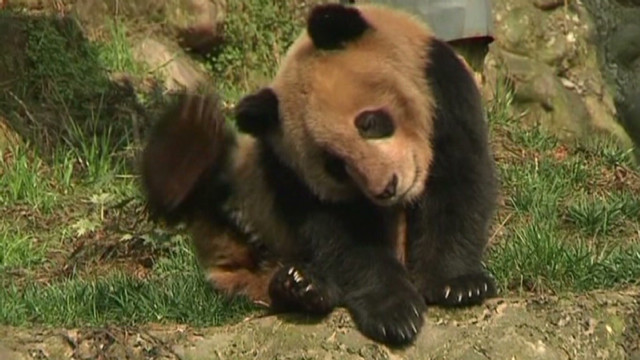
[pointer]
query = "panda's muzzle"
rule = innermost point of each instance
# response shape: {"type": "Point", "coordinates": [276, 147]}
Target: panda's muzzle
{"type": "Point", "coordinates": [390, 190]}
{"type": "Point", "coordinates": [376, 179]}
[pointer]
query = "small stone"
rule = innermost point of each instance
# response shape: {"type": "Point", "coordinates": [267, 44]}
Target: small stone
{"type": "Point", "coordinates": [199, 24]}
{"type": "Point", "coordinates": [567, 83]}
{"type": "Point", "coordinates": [201, 38]}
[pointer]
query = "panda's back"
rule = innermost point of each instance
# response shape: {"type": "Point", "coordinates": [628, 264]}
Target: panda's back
{"type": "Point", "coordinates": [252, 203]}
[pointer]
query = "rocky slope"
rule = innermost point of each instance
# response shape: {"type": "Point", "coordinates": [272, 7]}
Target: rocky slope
{"type": "Point", "coordinates": [594, 326]}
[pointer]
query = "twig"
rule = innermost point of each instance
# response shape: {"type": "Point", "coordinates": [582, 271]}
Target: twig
{"type": "Point", "coordinates": [24, 106]}
{"type": "Point", "coordinates": [163, 64]}
{"type": "Point", "coordinates": [500, 227]}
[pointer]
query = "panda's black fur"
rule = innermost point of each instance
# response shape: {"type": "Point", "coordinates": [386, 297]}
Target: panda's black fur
{"type": "Point", "coordinates": [342, 251]}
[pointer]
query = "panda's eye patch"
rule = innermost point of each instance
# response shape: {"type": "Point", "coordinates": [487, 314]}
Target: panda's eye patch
{"type": "Point", "coordinates": [374, 124]}
{"type": "Point", "coordinates": [335, 167]}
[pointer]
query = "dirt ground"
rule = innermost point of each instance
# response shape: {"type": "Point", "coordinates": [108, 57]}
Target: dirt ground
{"type": "Point", "coordinates": [602, 325]}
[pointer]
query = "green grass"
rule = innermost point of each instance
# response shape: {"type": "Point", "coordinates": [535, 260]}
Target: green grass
{"type": "Point", "coordinates": [19, 249]}
{"type": "Point", "coordinates": [73, 231]}
{"type": "Point", "coordinates": [569, 222]}
{"type": "Point", "coordinates": [172, 295]}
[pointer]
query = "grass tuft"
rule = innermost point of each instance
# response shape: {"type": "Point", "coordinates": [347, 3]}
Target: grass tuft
{"type": "Point", "coordinates": [118, 299]}
{"type": "Point", "coordinates": [23, 180]}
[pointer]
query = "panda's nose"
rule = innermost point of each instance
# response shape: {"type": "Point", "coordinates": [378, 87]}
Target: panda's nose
{"type": "Point", "coordinates": [389, 190]}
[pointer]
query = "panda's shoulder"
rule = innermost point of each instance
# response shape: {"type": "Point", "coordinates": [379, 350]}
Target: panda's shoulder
{"type": "Point", "coordinates": [447, 70]}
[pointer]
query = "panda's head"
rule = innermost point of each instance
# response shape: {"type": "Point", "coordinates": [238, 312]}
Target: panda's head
{"type": "Point", "coordinates": [349, 109]}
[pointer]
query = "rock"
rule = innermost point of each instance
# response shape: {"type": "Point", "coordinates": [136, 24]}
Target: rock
{"type": "Point", "coordinates": [178, 71]}
{"type": "Point", "coordinates": [548, 4]}
{"type": "Point", "coordinates": [625, 44]}
{"type": "Point", "coordinates": [630, 116]}
{"type": "Point", "coordinates": [201, 38]}
{"type": "Point", "coordinates": [560, 59]}
{"type": "Point", "coordinates": [616, 26]}
{"type": "Point", "coordinates": [537, 87]}
{"type": "Point", "coordinates": [199, 24]}
{"type": "Point", "coordinates": [518, 31]}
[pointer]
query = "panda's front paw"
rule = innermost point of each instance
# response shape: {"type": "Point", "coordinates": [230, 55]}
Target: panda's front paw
{"type": "Point", "coordinates": [393, 317]}
{"type": "Point", "coordinates": [293, 288]}
{"type": "Point", "coordinates": [465, 290]}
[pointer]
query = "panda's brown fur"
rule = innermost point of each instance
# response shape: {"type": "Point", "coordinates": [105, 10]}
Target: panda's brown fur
{"type": "Point", "coordinates": [188, 164]}
{"type": "Point", "coordinates": [361, 176]}
{"type": "Point", "coordinates": [186, 150]}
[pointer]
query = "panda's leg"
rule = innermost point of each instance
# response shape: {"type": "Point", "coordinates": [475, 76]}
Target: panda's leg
{"type": "Point", "coordinates": [447, 230]}
{"type": "Point", "coordinates": [363, 275]}
{"type": "Point", "coordinates": [444, 250]}
{"type": "Point", "coordinates": [229, 263]}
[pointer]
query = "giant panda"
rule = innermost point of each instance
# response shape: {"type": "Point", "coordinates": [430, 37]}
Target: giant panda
{"type": "Point", "coordinates": [360, 177]}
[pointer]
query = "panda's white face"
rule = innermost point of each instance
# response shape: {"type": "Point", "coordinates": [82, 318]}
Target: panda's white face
{"type": "Point", "coordinates": [354, 121]}
{"type": "Point", "coordinates": [354, 117]}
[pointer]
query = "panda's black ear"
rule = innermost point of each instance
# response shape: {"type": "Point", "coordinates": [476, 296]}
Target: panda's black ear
{"type": "Point", "coordinates": [257, 113]}
{"type": "Point", "coordinates": [330, 26]}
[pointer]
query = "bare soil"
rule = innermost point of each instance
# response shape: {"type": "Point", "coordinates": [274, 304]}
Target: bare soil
{"type": "Point", "coordinates": [600, 325]}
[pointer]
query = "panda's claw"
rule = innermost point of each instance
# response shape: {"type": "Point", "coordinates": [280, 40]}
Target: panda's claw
{"type": "Point", "coordinates": [447, 291]}
{"type": "Point", "coordinates": [294, 288]}
{"type": "Point", "coordinates": [297, 277]}
{"type": "Point", "coordinates": [471, 289]}
{"type": "Point", "coordinates": [416, 312]}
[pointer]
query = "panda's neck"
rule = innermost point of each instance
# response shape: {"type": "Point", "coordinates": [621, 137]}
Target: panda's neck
{"type": "Point", "coordinates": [294, 200]}
{"type": "Point", "coordinates": [282, 178]}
